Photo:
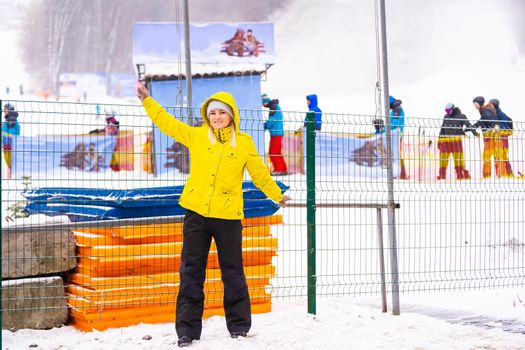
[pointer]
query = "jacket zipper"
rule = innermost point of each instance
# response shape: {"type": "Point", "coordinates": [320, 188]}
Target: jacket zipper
{"type": "Point", "coordinates": [215, 179]}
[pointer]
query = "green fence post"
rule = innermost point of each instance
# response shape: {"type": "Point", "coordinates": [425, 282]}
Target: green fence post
{"type": "Point", "coordinates": [310, 210]}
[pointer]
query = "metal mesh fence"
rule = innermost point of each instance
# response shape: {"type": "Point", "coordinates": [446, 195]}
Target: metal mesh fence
{"type": "Point", "coordinates": [91, 227]}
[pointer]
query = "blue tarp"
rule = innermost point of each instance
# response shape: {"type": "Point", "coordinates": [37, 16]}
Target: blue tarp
{"type": "Point", "coordinates": [139, 197]}
{"type": "Point", "coordinates": [252, 208]}
{"type": "Point", "coordinates": [89, 204]}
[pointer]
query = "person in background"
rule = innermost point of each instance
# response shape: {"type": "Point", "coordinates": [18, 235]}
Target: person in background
{"type": "Point", "coordinates": [506, 129]}
{"type": "Point", "coordinates": [397, 114]}
{"type": "Point", "coordinates": [10, 128]}
{"type": "Point", "coordinates": [379, 126]}
{"type": "Point", "coordinates": [235, 45]}
{"type": "Point", "coordinates": [487, 123]}
{"type": "Point", "coordinates": [274, 125]}
{"type": "Point", "coordinates": [93, 158]}
{"type": "Point", "coordinates": [213, 198]}
{"type": "Point", "coordinates": [450, 142]}
{"type": "Point", "coordinates": [311, 102]}
{"type": "Point", "coordinates": [112, 125]}
{"type": "Point", "coordinates": [380, 149]}
{"type": "Point", "coordinates": [252, 44]}
{"type": "Point", "coordinates": [397, 122]}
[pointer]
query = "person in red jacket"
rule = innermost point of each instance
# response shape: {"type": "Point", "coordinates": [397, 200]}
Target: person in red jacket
{"type": "Point", "coordinates": [274, 125]}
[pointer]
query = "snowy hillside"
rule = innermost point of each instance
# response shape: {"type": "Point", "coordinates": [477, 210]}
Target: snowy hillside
{"type": "Point", "coordinates": [12, 72]}
{"type": "Point", "coordinates": [439, 52]}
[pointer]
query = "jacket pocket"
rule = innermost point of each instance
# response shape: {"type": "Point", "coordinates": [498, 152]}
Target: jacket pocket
{"type": "Point", "coordinates": [191, 197]}
{"type": "Point", "coordinates": [227, 202]}
{"type": "Point", "coordinates": [232, 162]}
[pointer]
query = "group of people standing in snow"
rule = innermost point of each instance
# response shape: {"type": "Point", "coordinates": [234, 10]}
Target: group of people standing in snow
{"type": "Point", "coordinates": [496, 127]}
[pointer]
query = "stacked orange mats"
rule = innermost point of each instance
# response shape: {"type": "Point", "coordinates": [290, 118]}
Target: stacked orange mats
{"type": "Point", "coordinates": [129, 275]}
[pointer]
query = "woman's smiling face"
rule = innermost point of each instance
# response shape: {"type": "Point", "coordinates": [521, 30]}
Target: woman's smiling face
{"type": "Point", "coordinates": [219, 118]}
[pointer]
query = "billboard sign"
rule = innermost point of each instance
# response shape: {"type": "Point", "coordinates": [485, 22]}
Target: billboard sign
{"type": "Point", "coordinates": [248, 42]}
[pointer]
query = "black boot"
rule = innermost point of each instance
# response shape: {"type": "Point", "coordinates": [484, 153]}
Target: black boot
{"type": "Point", "coordinates": [239, 334]}
{"type": "Point", "coordinates": [184, 341]}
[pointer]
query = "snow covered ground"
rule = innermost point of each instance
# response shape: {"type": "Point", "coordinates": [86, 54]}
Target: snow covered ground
{"type": "Point", "coordinates": [477, 318]}
{"type": "Point", "coordinates": [340, 324]}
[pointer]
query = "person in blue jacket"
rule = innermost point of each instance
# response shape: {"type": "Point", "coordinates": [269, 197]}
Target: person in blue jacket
{"type": "Point", "coordinates": [397, 115]}
{"type": "Point", "coordinates": [397, 122]}
{"type": "Point", "coordinates": [11, 120]}
{"type": "Point", "coordinates": [10, 128]}
{"type": "Point", "coordinates": [506, 129]}
{"type": "Point", "coordinates": [311, 101]}
{"type": "Point", "coordinates": [275, 126]}
{"type": "Point", "coordinates": [489, 124]}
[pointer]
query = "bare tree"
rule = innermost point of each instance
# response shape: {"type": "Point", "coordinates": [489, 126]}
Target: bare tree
{"type": "Point", "coordinates": [96, 35]}
{"type": "Point", "coordinates": [59, 19]}
{"type": "Point", "coordinates": [34, 44]}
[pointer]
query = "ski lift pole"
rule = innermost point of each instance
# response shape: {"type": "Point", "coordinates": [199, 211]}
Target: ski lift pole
{"type": "Point", "coordinates": [187, 52]}
{"type": "Point", "coordinates": [390, 169]}
{"type": "Point", "coordinates": [310, 212]}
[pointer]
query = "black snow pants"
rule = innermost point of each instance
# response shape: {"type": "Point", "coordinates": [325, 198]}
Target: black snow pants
{"type": "Point", "coordinates": [198, 232]}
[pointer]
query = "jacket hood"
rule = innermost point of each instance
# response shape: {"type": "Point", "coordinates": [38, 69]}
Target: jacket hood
{"type": "Point", "coordinates": [495, 102]}
{"type": "Point", "coordinates": [393, 102]}
{"type": "Point", "coordinates": [273, 104]}
{"type": "Point", "coordinates": [11, 116]}
{"type": "Point", "coordinates": [313, 101]}
{"type": "Point", "coordinates": [479, 100]}
{"type": "Point", "coordinates": [224, 97]}
{"type": "Point", "coordinates": [391, 99]}
{"type": "Point", "coordinates": [455, 112]}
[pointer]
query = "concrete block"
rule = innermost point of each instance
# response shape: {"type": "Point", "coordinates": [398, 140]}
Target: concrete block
{"type": "Point", "coordinates": [36, 303]}
{"type": "Point", "coordinates": [37, 252]}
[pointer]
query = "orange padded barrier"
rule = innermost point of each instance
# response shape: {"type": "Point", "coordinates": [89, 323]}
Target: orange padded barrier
{"type": "Point", "coordinates": [153, 315]}
{"type": "Point", "coordinates": [129, 275]}
{"type": "Point", "coordinates": [91, 239]}
{"type": "Point", "coordinates": [103, 283]}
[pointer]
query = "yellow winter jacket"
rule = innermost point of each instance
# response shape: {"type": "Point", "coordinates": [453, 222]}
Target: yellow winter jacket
{"type": "Point", "coordinates": [214, 187]}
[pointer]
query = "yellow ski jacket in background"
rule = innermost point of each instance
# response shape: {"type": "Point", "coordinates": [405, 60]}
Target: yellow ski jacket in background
{"type": "Point", "coordinates": [214, 187]}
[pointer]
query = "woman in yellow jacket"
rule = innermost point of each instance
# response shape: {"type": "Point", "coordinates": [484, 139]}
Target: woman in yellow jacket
{"type": "Point", "coordinates": [219, 154]}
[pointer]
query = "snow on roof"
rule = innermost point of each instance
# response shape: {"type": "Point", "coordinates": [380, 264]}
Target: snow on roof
{"type": "Point", "coordinates": [160, 71]}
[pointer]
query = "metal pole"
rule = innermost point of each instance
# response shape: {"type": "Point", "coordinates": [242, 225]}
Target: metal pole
{"type": "Point", "coordinates": [187, 51]}
{"type": "Point", "coordinates": [390, 170]}
{"type": "Point", "coordinates": [310, 212]}
{"type": "Point", "coordinates": [381, 259]}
